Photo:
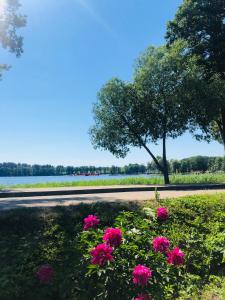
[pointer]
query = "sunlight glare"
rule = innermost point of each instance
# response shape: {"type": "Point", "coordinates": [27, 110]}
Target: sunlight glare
{"type": "Point", "coordinates": [3, 4]}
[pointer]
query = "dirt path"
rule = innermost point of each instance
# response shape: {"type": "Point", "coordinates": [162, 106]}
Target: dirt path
{"type": "Point", "coordinates": [9, 203]}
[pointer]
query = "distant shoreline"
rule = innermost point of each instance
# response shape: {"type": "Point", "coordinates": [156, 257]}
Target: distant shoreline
{"type": "Point", "coordinates": [72, 175]}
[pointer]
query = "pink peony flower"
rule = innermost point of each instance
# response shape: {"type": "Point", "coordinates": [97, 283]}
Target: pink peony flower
{"type": "Point", "coordinates": [141, 274]}
{"type": "Point", "coordinates": [91, 221]}
{"type": "Point", "coordinates": [113, 237]}
{"type": "Point", "coordinates": [162, 213]}
{"type": "Point", "coordinates": [175, 257]}
{"type": "Point", "coordinates": [101, 254]}
{"type": "Point", "coordinates": [45, 274]}
{"type": "Point", "coordinates": [143, 297]}
{"type": "Point", "coordinates": [161, 244]}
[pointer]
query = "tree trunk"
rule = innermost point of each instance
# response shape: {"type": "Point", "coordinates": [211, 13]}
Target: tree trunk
{"type": "Point", "coordinates": [160, 168]}
{"type": "Point", "coordinates": [165, 165]}
{"type": "Point", "coordinates": [223, 127]}
{"type": "Point", "coordinates": [222, 132]}
{"type": "Point", "coordinates": [143, 144]}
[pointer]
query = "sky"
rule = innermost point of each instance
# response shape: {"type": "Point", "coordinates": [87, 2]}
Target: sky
{"type": "Point", "coordinates": [71, 48]}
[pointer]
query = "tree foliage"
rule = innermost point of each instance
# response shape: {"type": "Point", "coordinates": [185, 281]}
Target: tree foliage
{"type": "Point", "coordinates": [161, 77]}
{"type": "Point", "coordinates": [10, 21]}
{"type": "Point", "coordinates": [150, 109]}
{"type": "Point", "coordinates": [115, 117]}
{"type": "Point", "coordinates": [202, 25]}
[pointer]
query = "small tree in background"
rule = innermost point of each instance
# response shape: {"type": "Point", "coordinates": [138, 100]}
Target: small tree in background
{"type": "Point", "coordinates": [150, 109]}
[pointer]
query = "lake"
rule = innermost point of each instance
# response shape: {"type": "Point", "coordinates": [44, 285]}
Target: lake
{"type": "Point", "coordinates": [44, 179]}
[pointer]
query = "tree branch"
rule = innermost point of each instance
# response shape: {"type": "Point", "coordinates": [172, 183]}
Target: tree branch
{"type": "Point", "coordinates": [142, 143]}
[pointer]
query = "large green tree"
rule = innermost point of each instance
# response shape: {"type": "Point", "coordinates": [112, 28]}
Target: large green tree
{"type": "Point", "coordinates": [148, 110]}
{"type": "Point", "coordinates": [10, 21]}
{"type": "Point", "coordinates": [202, 25]}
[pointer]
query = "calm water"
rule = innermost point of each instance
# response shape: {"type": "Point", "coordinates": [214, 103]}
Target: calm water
{"type": "Point", "coordinates": [45, 179]}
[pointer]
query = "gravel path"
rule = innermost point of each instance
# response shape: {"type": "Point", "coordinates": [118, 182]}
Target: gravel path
{"type": "Point", "coordinates": [9, 203]}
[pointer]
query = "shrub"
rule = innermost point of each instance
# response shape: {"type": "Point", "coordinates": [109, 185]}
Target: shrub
{"type": "Point", "coordinates": [135, 261]}
{"type": "Point", "coordinates": [30, 238]}
{"type": "Point", "coordinates": [174, 253]}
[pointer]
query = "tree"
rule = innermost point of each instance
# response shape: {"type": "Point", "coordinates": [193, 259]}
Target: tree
{"type": "Point", "coordinates": [175, 166]}
{"type": "Point", "coordinates": [10, 21]}
{"type": "Point", "coordinates": [69, 170]}
{"type": "Point", "coordinates": [60, 170]}
{"type": "Point", "coordinates": [146, 111]}
{"type": "Point", "coordinates": [134, 169]}
{"type": "Point", "coordinates": [114, 170]}
{"type": "Point", "coordinates": [202, 25]}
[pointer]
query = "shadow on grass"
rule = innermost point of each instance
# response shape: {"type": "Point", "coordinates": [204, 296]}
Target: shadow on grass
{"type": "Point", "coordinates": [30, 237]}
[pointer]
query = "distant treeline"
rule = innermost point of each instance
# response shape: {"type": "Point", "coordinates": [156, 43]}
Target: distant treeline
{"type": "Point", "coordinates": [13, 169]}
{"type": "Point", "coordinates": [186, 165]}
{"type": "Point", "coordinates": [195, 164]}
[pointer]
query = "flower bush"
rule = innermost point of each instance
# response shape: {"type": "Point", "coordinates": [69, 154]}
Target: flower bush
{"type": "Point", "coordinates": [175, 257]}
{"type": "Point", "coordinates": [91, 221]}
{"type": "Point", "coordinates": [56, 236]}
{"type": "Point", "coordinates": [113, 237]}
{"type": "Point", "coordinates": [130, 265]}
{"type": "Point", "coordinates": [161, 244]}
{"type": "Point", "coordinates": [45, 274]}
{"type": "Point", "coordinates": [141, 274]}
{"type": "Point", "coordinates": [101, 254]}
{"type": "Point", "coordinates": [162, 213]}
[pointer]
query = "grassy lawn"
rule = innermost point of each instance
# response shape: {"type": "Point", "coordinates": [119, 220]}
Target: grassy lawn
{"type": "Point", "coordinates": [175, 179]}
{"type": "Point", "coordinates": [32, 237]}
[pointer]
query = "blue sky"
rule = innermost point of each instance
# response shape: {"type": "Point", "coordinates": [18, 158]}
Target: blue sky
{"type": "Point", "coordinates": [71, 48]}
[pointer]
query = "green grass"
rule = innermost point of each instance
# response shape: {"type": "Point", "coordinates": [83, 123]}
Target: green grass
{"type": "Point", "coordinates": [31, 237]}
{"type": "Point", "coordinates": [100, 182]}
{"type": "Point", "coordinates": [175, 179]}
{"type": "Point", "coordinates": [198, 178]}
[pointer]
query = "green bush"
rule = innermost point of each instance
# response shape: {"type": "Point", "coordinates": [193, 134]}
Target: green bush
{"type": "Point", "coordinates": [197, 227]}
{"type": "Point", "coordinates": [114, 281]}
{"type": "Point", "coordinates": [33, 237]}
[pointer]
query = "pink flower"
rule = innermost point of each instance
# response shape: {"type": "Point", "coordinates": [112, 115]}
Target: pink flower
{"type": "Point", "coordinates": [175, 257]}
{"type": "Point", "coordinates": [141, 274]}
{"type": "Point", "coordinates": [45, 274]}
{"type": "Point", "coordinates": [101, 254]}
{"type": "Point", "coordinates": [113, 237]}
{"type": "Point", "coordinates": [91, 221]}
{"type": "Point", "coordinates": [143, 297]}
{"type": "Point", "coordinates": [161, 244]}
{"type": "Point", "coordinates": [162, 213]}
